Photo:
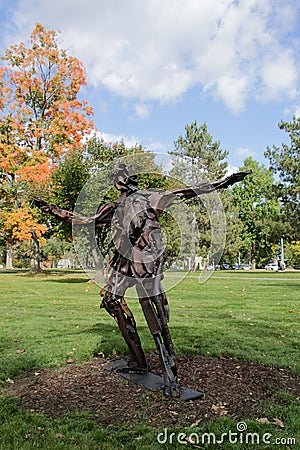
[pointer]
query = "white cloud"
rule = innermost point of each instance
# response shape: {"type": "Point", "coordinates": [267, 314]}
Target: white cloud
{"type": "Point", "coordinates": [231, 169]}
{"type": "Point", "coordinates": [232, 90]}
{"type": "Point", "coordinates": [141, 110]}
{"type": "Point", "coordinates": [234, 50]}
{"type": "Point", "coordinates": [245, 152]}
{"type": "Point", "coordinates": [129, 141]}
{"type": "Point", "coordinates": [279, 77]}
{"type": "Point", "coordinates": [157, 147]}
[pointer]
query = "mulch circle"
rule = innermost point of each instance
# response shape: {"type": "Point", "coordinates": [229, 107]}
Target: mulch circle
{"type": "Point", "coordinates": [233, 388]}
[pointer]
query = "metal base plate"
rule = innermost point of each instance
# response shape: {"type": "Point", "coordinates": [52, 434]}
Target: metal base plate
{"type": "Point", "coordinates": [149, 380]}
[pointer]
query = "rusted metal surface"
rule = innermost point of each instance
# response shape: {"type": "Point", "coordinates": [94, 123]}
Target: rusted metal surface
{"type": "Point", "coordinates": [138, 261]}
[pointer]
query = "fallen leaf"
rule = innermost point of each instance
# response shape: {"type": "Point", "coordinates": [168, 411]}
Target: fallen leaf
{"type": "Point", "coordinates": [59, 435]}
{"type": "Point", "coordinates": [278, 423]}
{"type": "Point", "coordinates": [195, 424]}
{"type": "Point", "coordinates": [220, 409]}
{"type": "Point", "coordinates": [9, 380]}
{"type": "Point", "coordinates": [263, 420]}
{"type": "Point", "coordinates": [69, 361]}
{"type": "Point", "coordinates": [21, 351]}
{"type": "Point", "coordinates": [189, 440]}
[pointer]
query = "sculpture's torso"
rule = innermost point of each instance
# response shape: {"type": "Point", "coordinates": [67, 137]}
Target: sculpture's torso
{"type": "Point", "coordinates": [138, 249]}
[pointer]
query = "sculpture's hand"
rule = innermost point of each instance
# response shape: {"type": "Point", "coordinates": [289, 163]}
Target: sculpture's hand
{"type": "Point", "coordinates": [231, 180]}
{"type": "Point", "coordinates": [239, 176]}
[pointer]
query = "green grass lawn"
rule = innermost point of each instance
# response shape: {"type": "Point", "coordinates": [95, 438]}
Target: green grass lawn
{"type": "Point", "coordinates": [48, 318]}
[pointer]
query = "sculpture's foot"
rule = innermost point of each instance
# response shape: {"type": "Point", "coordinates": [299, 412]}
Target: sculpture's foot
{"type": "Point", "coordinates": [172, 390]}
{"type": "Point", "coordinates": [152, 381]}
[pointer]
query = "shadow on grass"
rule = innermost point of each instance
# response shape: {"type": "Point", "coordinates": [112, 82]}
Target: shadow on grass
{"type": "Point", "coordinates": [55, 272]}
{"type": "Point", "coordinates": [111, 340]}
{"type": "Point", "coordinates": [67, 280]}
{"type": "Point", "coordinates": [7, 271]}
{"type": "Point", "coordinates": [62, 271]}
{"type": "Point", "coordinates": [103, 328]}
{"type": "Point", "coordinates": [16, 365]}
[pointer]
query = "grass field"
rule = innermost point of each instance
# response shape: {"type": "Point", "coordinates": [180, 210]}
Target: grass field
{"type": "Point", "coordinates": [48, 318]}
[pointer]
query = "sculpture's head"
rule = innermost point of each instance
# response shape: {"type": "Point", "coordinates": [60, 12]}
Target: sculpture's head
{"type": "Point", "coordinates": [125, 179]}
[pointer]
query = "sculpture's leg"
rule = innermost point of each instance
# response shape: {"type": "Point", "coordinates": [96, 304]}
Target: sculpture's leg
{"type": "Point", "coordinates": [160, 302]}
{"type": "Point", "coordinates": [157, 320]}
{"type": "Point", "coordinates": [118, 309]}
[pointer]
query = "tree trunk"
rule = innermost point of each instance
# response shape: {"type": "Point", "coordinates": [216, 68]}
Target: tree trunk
{"type": "Point", "coordinates": [192, 263]}
{"type": "Point", "coordinates": [9, 257]}
{"type": "Point", "coordinates": [35, 262]}
{"type": "Point", "coordinates": [252, 257]}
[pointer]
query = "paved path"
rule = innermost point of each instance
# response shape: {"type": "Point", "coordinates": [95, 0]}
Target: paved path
{"type": "Point", "coordinates": [238, 277]}
{"type": "Point", "coordinates": [257, 278]}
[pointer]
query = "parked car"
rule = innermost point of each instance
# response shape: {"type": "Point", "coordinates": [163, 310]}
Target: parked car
{"type": "Point", "coordinates": [225, 266]}
{"type": "Point", "coordinates": [235, 266]}
{"type": "Point", "coordinates": [271, 266]}
{"type": "Point", "coordinates": [245, 267]}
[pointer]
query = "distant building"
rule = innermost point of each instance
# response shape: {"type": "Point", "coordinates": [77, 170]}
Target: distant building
{"type": "Point", "coordinates": [194, 263]}
{"type": "Point", "coordinates": [65, 264]}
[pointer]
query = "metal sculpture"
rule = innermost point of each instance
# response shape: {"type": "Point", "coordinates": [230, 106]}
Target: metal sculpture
{"type": "Point", "coordinates": [138, 261]}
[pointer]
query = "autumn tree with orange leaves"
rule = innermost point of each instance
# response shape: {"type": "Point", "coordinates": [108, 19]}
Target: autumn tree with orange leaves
{"type": "Point", "coordinates": [41, 120]}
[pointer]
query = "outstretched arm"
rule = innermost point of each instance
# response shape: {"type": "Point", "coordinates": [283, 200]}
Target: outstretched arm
{"type": "Point", "coordinates": [160, 202]}
{"type": "Point", "coordinates": [103, 216]}
{"type": "Point", "coordinates": [206, 188]}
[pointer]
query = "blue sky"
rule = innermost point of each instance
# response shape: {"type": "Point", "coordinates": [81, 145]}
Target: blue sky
{"type": "Point", "coordinates": [154, 66]}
